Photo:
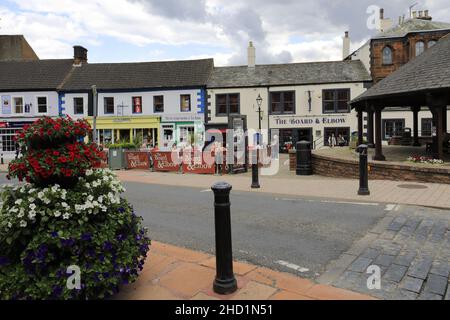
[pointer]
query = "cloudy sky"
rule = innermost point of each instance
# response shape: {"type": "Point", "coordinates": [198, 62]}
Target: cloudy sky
{"type": "Point", "coordinates": [148, 30]}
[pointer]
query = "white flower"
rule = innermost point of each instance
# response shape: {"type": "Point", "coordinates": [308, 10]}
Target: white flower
{"type": "Point", "coordinates": [89, 172]}
{"type": "Point", "coordinates": [46, 200]}
{"type": "Point", "coordinates": [32, 206]}
{"type": "Point", "coordinates": [90, 198]}
{"type": "Point", "coordinates": [40, 195]}
{"type": "Point", "coordinates": [57, 213]}
{"type": "Point", "coordinates": [31, 215]}
{"type": "Point", "coordinates": [23, 223]}
{"type": "Point", "coordinates": [100, 199]}
{"type": "Point", "coordinates": [13, 210]}
{"type": "Point", "coordinates": [64, 205]}
{"type": "Point", "coordinates": [31, 199]}
{"type": "Point", "coordinates": [18, 202]}
{"type": "Point", "coordinates": [66, 216]}
{"type": "Point", "coordinates": [9, 224]}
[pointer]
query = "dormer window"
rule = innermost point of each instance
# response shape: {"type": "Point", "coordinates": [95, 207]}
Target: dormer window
{"type": "Point", "coordinates": [431, 43]}
{"type": "Point", "coordinates": [420, 47]}
{"type": "Point", "coordinates": [387, 55]}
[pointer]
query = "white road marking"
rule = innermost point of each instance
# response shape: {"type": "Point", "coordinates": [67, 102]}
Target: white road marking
{"type": "Point", "coordinates": [292, 266]}
{"type": "Point", "coordinates": [389, 207]}
{"type": "Point", "coordinates": [206, 190]}
{"type": "Point", "coordinates": [331, 201]}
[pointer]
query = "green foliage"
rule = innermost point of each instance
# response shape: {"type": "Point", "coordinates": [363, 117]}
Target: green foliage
{"type": "Point", "coordinates": [123, 145]}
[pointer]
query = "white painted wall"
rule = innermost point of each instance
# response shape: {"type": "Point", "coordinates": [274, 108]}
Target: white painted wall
{"type": "Point", "coordinates": [248, 106]}
{"type": "Point", "coordinates": [69, 105]}
{"type": "Point", "coordinates": [31, 98]}
{"type": "Point", "coordinates": [363, 54]}
{"type": "Point", "coordinates": [171, 102]}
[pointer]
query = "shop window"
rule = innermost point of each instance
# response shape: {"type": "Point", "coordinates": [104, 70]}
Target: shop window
{"type": "Point", "coordinates": [282, 102]}
{"type": "Point", "coordinates": [18, 104]}
{"type": "Point", "coordinates": [137, 104]}
{"type": "Point", "coordinates": [109, 105]}
{"type": "Point", "coordinates": [420, 47]}
{"type": "Point", "coordinates": [78, 106]}
{"type": "Point", "coordinates": [42, 104]}
{"type": "Point", "coordinates": [185, 102]}
{"type": "Point", "coordinates": [338, 136]}
{"type": "Point", "coordinates": [393, 128]}
{"type": "Point", "coordinates": [186, 135]}
{"type": "Point", "coordinates": [158, 104]}
{"type": "Point", "coordinates": [336, 101]}
{"type": "Point", "coordinates": [426, 125]}
{"type": "Point", "coordinates": [387, 55]}
{"type": "Point", "coordinates": [227, 104]}
{"type": "Point", "coordinates": [7, 137]}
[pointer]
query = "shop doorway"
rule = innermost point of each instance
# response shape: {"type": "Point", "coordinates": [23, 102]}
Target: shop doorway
{"type": "Point", "coordinates": [290, 137]}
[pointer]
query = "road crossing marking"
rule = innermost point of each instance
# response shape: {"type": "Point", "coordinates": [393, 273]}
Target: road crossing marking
{"type": "Point", "coordinates": [291, 266]}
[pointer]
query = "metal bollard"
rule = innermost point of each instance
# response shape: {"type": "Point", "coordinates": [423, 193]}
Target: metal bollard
{"type": "Point", "coordinates": [255, 170]}
{"type": "Point", "coordinates": [304, 158]}
{"type": "Point", "coordinates": [363, 171]}
{"type": "Point", "coordinates": [225, 282]}
{"type": "Point", "coordinates": [2, 161]}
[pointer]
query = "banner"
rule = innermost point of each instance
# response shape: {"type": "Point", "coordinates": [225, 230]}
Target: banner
{"type": "Point", "coordinates": [162, 161]}
{"type": "Point", "coordinates": [6, 104]}
{"type": "Point", "coordinates": [137, 160]}
{"type": "Point", "coordinates": [198, 165]}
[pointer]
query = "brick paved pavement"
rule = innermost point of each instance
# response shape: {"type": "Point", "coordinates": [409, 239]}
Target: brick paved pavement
{"type": "Point", "coordinates": [411, 245]}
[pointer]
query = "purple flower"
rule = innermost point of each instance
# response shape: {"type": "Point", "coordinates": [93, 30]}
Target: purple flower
{"type": "Point", "coordinates": [86, 237]}
{"type": "Point", "coordinates": [121, 237]}
{"type": "Point", "coordinates": [54, 234]}
{"type": "Point", "coordinates": [121, 209]}
{"type": "Point", "coordinates": [3, 260]}
{"type": "Point", "coordinates": [107, 246]}
{"type": "Point", "coordinates": [68, 242]}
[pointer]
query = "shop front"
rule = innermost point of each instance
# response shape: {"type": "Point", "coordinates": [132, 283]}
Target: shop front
{"type": "Point", "coordinates": [8, 129]}
{"type": "Point", "coordinates": [142, 129]}
{"type": "Point", "coordinates": [181, 130]}
{"type": "Point", "coordinates": [320, 130]}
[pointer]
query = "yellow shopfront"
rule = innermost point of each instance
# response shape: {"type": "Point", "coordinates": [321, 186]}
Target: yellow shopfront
{"type": "Point", "coordinates": [127, 129]}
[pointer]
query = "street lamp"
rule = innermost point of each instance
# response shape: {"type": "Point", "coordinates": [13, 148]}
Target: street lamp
{"type": "Point", "coordinates": [255, 173]}
{"type": "Point", "coordinates": [95, 111]}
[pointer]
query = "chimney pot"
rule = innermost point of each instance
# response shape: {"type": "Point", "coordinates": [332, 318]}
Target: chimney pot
{"type": "Point", "coordinates": [420, 14]}
{"type": "Point", "coordinates": [79, 55]}
{"type": "Point", "coordinates": [426, 12]}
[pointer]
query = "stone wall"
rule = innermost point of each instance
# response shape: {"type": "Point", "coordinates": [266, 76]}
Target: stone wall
{"type": "Point", "coordinates": [342, 168]}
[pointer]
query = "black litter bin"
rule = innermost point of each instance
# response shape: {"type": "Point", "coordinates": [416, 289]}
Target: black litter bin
{"type": "Point", "coordinates": [304, 159]}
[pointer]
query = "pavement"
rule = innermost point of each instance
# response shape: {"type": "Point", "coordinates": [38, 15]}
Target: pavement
{"type": "Point", "coordinates": [175, 273]}
{"type": "Point", "coordinates": [411, 248]}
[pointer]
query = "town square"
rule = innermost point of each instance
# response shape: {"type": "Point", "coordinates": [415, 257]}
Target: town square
{"type": "Point", "coordinates": [224, 161]}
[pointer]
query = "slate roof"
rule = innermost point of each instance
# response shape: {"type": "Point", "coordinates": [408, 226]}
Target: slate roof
{"type": "Point", "coordinates": [289, 74]}
{"type": "Point", "coordinates": [412, 25]}
{"type": "Point", "coordinates": [33, 75]}
{"type": "Point", "coordinates": [141, 75]}
{"type": "Point", "coordinates": [428, 71]}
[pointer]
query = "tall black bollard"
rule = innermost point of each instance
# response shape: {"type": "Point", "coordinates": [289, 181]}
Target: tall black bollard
{"type": "Point", "coordinates": [304, 162]}
{"type": "Point", "coordinates": [363, 171]}
{"type": "Point", "coordinates": [225, 282]}
{"type": "Point", "coordinates": [255, 170]}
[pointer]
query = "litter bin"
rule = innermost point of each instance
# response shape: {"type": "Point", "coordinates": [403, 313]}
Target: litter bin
{"type": "Point", "coordinates": [304, 163]}
{"type": "Point", "coordinates": [116, 158]}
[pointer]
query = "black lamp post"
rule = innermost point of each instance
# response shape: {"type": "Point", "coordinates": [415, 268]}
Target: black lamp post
{"type": "Point", "coordinates": [255, 170]}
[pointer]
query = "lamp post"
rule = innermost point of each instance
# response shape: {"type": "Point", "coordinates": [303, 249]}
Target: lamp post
{"type": "Point", "coordinates": [255, 169]}
{"type": "Point", "coordinates": [94, 113]}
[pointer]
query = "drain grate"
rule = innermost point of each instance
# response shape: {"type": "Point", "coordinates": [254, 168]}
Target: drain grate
{"type": "Point", "coordinates": [412, 186]}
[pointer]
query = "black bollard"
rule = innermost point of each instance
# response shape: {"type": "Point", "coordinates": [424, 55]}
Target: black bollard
{"type": "Point", "coordinates": [2, 161]}
{"type": "Point", "coordinates": [363, 171]}
{"type": "Point", "coordinates": [255, 170]}
{"type": "Point", "coordinates": [225, 282]}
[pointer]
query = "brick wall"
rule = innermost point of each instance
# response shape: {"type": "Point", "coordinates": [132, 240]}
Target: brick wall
{"type": "Point", "coordinates": [332, 167]}
{"type": "Point", "coordinates": [403, 51]}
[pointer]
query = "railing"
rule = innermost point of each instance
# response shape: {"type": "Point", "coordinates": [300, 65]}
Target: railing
{"type": "Point", "coordinates": [318, 142]}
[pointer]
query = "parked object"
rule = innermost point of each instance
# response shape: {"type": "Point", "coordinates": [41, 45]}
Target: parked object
{"type": "Point", "coordinates": [304, 166]}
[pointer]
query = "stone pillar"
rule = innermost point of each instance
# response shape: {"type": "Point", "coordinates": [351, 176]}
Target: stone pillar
{"type": "Point", "coordinates": [444, 120]}
{"type": "Point", "coordinates": [415, 111]}
{"type": "Point", "coordinates": [378, 136]}
{"type": "Point", "coordinates": [370, 140]}
{"type": "Point", "coordinates": [360, 126]}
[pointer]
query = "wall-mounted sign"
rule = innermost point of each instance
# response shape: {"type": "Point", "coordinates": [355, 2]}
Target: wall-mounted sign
{"type": "Point", "coordinates": [182, 117]}
{"type": "Point", "coordinates": [6, 104]}
{"type": "Point", "coordinates": [122, 120]}
{"type": "Point", "coordinates": [293, 121]}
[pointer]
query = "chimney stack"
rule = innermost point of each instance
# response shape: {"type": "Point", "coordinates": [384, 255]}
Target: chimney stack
{"type": "Point", "coordinates": [381, 14]}
{"type": "Point", "coordinates": [345, 46]}
{"type": "Point", "coordinates": [251, 55]}
{"type": "Point", "coordinates": [79, 55]}
{"type": "Point", "coordinates": [424, 15]}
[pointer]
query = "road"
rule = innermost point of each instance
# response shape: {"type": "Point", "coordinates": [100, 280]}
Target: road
{"type": "Point", "coordinates": [267, 230]}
